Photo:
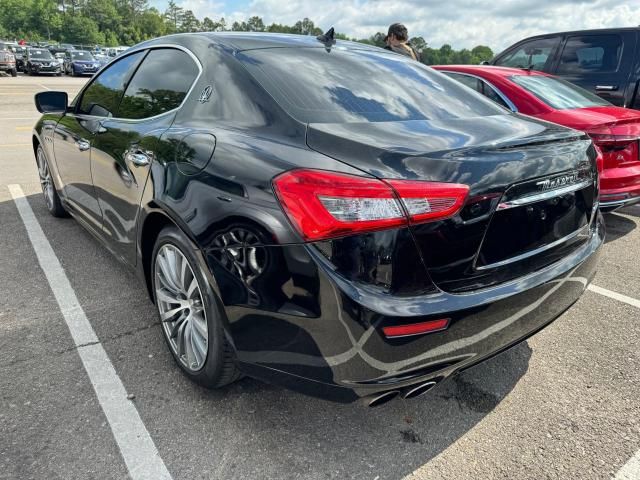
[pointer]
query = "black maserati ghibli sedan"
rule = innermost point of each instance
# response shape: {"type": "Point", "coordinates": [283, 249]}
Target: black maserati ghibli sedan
{"type": "Point", "coordinates": [326, 216]}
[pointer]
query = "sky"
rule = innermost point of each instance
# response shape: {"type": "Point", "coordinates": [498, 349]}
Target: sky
{"type": "Point", "coordinates": [460, 23]}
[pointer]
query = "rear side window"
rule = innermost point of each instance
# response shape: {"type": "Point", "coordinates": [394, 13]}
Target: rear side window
{"type": "Point", "coordinates": [535, 54]}
{"type": "Point", "coordinates": [160, 84]}
{"type": "Point", "coordinates": [339, 86]}
{"type": "Point", "coordinates": [102, 97]}
{"type": "Point", "coordinates": [558, 93]}
{"type": "Point", "coordinates": [470, 82]}
{"type": "Point", "coordinates": [479, 86]}
{"type": "Point", "coordinates": [591, 53]}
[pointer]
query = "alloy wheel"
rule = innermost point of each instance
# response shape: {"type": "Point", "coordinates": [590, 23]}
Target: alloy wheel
{"type": "Point", "coordinates": [181, 308]}
{"type": "Point", "coordinates": [45, 178]}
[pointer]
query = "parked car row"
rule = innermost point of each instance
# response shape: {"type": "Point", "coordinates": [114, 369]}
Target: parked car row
{"type": "Point", "coordinates": [54, 59]}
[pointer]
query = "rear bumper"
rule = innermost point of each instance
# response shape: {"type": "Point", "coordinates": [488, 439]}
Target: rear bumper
{"type": "Point", "coordinates": [619, 187]}
{"type": "Point", "coordinates": [324, 336]}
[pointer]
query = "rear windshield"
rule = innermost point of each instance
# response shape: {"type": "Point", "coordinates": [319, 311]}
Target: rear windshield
{"type": "Point", "coordinates": [340, 86]}
{"type": "Point", "coordinates": [44, 54]}
{"type": "Point", "coordinates": [81, 55]}
{"type": "Point", "coordinates": [557, 93]}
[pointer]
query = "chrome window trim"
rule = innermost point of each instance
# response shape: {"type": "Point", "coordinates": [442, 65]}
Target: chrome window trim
{"type": "Point", "coordinates": [504, 98]}
{"type": "Point", "coordinates": [544, 195]}
{"type": "Point", "coordinates": [131, 52]}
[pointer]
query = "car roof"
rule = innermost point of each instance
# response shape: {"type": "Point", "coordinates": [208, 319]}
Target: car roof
{"type": "Point", "coordinates": [582, 32]}
{"type": "Point", "coordinates": [254, 40]}
{"type": "Point", "coordinates": [490, 70]}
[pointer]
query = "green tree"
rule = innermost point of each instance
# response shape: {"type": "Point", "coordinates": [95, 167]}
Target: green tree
{"type": "Point", "coordinates": [481, 53]}
{"type": "Point", "coordinates": [81, 30]}
{"type": "Point", "coordinates": [151, 24]}
{"type": "Point", "coordinates": [189, 22]}
{"type": "Point", "coordinates": [255, 24]}
{"type": "Point", "coordinates": [174, 15]}
{"type": "Point", "coordinates": [306, 27]}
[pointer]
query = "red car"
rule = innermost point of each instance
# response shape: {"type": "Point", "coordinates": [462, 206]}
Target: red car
{"type": "Point", "coordinates": [615, 130]}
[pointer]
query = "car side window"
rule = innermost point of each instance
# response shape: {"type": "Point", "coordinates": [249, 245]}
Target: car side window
{"type": "Point", "coordinates": [102, 97]}
{"type": "Point", "coordinates": [537, 54]}
{"type": "Point", "coordinates": [159, 85]}
{"type": "Point", "coordinates": [489, 92]}
{"type": "Point", "coordinates": [479, 86]}
{"type": "Point", "coordinates": [591, 53]}
{"type": "Point", "coordinates": [470, 82]}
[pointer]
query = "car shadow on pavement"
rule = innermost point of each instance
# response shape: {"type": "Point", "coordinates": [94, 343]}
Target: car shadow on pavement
{"type": "Point", "coordinates": [314, 438]}
{"type": "Point", "coordinates": [618, 225]}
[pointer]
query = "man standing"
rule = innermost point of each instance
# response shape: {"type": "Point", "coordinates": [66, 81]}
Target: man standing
{"type": "Point", "coordinates": [397, 40]}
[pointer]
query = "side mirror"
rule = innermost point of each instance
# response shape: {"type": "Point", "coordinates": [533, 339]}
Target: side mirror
{"type": "Point", "coordinates": [52, 102]}
{"type": "Point", "coordinates": [484, 62]}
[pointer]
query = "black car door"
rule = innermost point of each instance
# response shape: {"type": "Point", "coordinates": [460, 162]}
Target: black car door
{"type": "Point", "coordinates": [600, 63]}
{"type": "Point", "coordinates": [75, 131]}
{"type": "Point", "coordinates": [126, 145]}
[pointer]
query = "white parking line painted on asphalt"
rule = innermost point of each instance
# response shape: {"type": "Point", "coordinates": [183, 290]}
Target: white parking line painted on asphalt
{"type": "Point", "coordinates": [630, 470]}
{"type": "Point", "coordinates": [615, 295]}
{"type": "Point", "coordinates": [44, 86]}
{"type": "Point", "coordinates": [138, 450]}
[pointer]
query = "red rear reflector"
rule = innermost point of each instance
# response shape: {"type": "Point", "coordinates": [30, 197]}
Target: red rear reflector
{"type": "Point", "coordinates": [323, 204]}
{"type": "Point", "coordinates": [416, 328]}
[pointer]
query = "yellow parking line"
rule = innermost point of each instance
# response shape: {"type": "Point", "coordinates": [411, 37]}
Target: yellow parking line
{"type": "Point", "coordinates": [24, 128]}
{"type": "Point", "coordinates": [9, 145]}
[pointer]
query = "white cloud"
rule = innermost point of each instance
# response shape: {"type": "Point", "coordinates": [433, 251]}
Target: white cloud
{"type": "Point", "coordinates": [461, 23]}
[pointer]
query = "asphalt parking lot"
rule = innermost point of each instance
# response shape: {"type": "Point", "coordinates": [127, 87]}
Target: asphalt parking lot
{"type": "Point", "coordinates": [565, 404]}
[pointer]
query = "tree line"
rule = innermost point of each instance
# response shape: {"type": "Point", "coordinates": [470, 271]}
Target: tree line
{"type": "Point", "coordinates": [127, 22]}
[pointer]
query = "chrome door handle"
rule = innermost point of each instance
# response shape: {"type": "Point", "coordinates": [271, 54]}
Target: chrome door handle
{"type": "Point", "coordinates": [606, 88]}
{"type": "Point", "coordinates": [138, 159]}
{"type": "Point", "coordinates": [82, 144]}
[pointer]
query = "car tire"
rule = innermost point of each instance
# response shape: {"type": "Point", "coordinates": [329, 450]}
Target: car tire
{"type": "Point", "coordinates": [192, 307]}
{"type": "Point", "coordinates": [14, 72]}
{"type": "Point", "coordinates": [51, 197]}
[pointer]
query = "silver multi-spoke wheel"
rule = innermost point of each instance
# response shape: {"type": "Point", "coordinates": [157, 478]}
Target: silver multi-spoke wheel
{"type": "Point", "coordinates": [45, 178]}
{"type": "Point", "coordinates": [181, 308]}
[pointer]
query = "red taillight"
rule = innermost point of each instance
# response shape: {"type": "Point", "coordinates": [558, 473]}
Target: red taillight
{"type": "Point", "coordinates": [426, 201]}
{"type": "Point", "coordinates": [617, 148]}
{"type": "Point", "coordinates": [599, 159]}
{"type": "Point", "coordinates": [324, 204]}
{"type": "Point", "coordinates": [416, 328]}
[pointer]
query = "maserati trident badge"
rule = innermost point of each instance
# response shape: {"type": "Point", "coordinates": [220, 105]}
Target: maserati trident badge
{"type": "Point", "coordinates": [206, 94]}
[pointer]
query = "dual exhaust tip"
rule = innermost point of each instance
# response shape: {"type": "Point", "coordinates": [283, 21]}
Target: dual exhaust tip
{"type": "Point", "coordinates": [411, 392]}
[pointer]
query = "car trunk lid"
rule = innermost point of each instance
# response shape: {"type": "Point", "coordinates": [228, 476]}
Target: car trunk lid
{"type": "Point", "coordinates": [531, 189]}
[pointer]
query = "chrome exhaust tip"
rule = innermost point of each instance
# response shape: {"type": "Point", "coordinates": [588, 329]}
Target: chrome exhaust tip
{"type": "Point", "coordinates": [419, 390]}
{"type": "Point", "coordinates": [382, 398]}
